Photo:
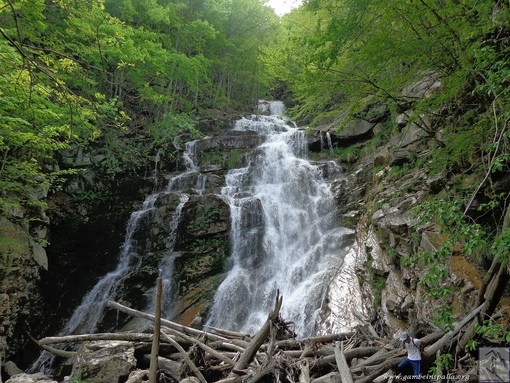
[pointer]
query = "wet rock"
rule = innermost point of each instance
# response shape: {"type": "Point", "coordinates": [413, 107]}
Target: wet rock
{"type": "Point", "coordinates": [235, 139]}
{"type": "Point", "coordinates": [76, 158]}
{"type": "Point", "coordinates": [105, 361]}
{"type": "Point", "coordinates": [40, 257]}
{"type": "Point", "coordinates": [396, 299]}
{"type": "Point", "coordinates": [205, 216]}
{"type": "Point", "coordinates": [19, 278]}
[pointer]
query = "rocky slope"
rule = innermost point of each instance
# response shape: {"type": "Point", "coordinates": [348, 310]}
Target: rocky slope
{"type": "Point", "coordinates": [376, 197]}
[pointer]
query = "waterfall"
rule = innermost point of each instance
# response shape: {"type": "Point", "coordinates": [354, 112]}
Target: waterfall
{"type": "Point", "coordinates": [284, 235]}
{"type": "Point", "coordinates": [191, 179]}
{"type": "Point", "coordinates": [330, 143]}
{"type": "Point", "coordinates": [89, 313]}
{"type": "Point", "coordinates": [166, 267]}
{"type": "Point", "coordinates": [190, 156]}
{"type": "Point", "coordinates": [326, 142]}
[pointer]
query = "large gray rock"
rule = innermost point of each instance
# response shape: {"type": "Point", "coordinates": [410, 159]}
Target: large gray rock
{"type": "Point", "coordinates": [423, 88]}
{"type": "Point", "coordinates": [30, 378]}
{"type": "Point", "coordinates": [234, 139]}
{"type": "Point", "coordinates": [105, 361]}
{"type": "Point", "coordinates": [408, 136]}
{"type": "Point", "coordinates": [355, 130]}
{"type": "Point", "coordinates": [205, 216]}
{"type": "Point", "coordinates": [341, 133]}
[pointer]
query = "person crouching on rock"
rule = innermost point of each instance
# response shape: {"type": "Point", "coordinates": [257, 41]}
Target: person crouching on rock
{"type": "Point", "coordinates": [413, 360]}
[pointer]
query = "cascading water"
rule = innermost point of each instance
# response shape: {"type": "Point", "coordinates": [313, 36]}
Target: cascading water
{"type": "Point", "coordinates": [88, 314]}
{"type": "Point", "coordinates": [283, 233]}
{"type": "Point", "coordinates": [191, 178]}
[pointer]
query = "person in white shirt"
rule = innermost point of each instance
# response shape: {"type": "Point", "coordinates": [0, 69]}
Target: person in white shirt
{"type": "Point", "coordinates": [413, 360]}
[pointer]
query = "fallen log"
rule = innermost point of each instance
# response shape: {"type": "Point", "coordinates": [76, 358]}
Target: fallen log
{"type": "Point", "coordinates": [130, 337]}
{"type": "Point", "coordinates": [359, 352]}
{"type": "Point", "coordinates": [379, 370]}
{"type": "Point", "coordinates": [489, 295]}
{"type": "Point", "coordinates": [446, 338]}
{"type": "Point", "coordinates": [366, 323]}
{"type": "Point", "coordinates": [304, 376]}
{"type": "Point", "coordinates": [137, 376]}
{"type": "Point", "coordinates": [229, 333]}
{"type": "Point", "coordinates": [168, 366]}
{"type": "Point", "coordinates": [300, 343]}
{"type": "Point", "coordinates": [181, 328]}
{"type": "Point", "coordinates": [257, 340]}
{"type": "Point", "coordinates": [332, 377]}
{"type": "Point", "coordinates": [226, 346]}
{"type": "Point", "coordinates": [153, 367]}
{"type": "Point", "coordinates": [186, 358]}
{"type": "Point", "coordinates": [203, 346]}
{"type": "Point", "coordinates": [52, 350]}
{"type": "Point", "coordinates": [343, 367]}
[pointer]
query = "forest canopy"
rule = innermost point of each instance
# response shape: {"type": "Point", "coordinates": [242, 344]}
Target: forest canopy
{"type": "Point", "coordinates": [81, 72]}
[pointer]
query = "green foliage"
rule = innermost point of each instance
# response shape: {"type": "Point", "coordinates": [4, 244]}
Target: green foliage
{"type": "Point", "coordinates": [172, 130]}
{"type": "Point", "coordinates": [444, 317]}
{"type": "Point", "coordinates": [127, 76]}
{"type": "Point", "coordinates": [495, 331]}
{"type": "Point", "coordinates": [456, 235]}
{"type": "Point", "coordinates": [8, 250]}
{"type": "Point", "coordinates": [205, 215]}
{"type": "Point", "coordinates": [453, 226]}
{"type": "Point", "coordinates": [442, 364]}
{"type": "Point", "coordinates": [472, 345]}
{"type": "Point", "coordinates": [501, 246]}
{"type": "Point", "coordinates": [336, 52]}
{"type": "Point", "coordinates": [226, 159]}
{"type": "Point", "coordinates": [78, 378]}
{"type": "Point", "coordinates": [348, 154]}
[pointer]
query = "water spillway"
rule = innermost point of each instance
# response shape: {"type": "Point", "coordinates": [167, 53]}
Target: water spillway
{"type": "Point", "coordinates": [285, 234]}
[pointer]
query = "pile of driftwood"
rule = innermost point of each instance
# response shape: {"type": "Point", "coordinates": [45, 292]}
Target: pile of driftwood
{"type": "Point", "coordinates": [273, 354]}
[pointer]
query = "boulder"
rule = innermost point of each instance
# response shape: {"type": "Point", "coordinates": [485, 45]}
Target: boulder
{"type": "Point", "coordinates": [355, 131]}
{"type": "Point", "coordinates": [40, 257]}
{"type": "Point", "coordinates": [236, 139]}
{"type": "Point", "coordinates": [408, 136]}
{"type": "Point", "coordinates": [375, 112]}
{"type": "Point", "coordinates": [30, 378]}
{"type": "Point", "coordinates": [105, 361]}
{"type": "Point", "coordinates": [402, 120]}
{"type": "Point", "coordinates": [11, 369]}
{"type": "Point", "coordinates": [423, 88]}
{"type": "Point", "coordinates": [204, 216]}
{"type": "Point", "coordinates": [343, 133]}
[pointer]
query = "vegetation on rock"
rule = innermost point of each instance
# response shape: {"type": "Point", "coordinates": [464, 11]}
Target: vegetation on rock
{"type": "Point", "coordinates": [416, 92]}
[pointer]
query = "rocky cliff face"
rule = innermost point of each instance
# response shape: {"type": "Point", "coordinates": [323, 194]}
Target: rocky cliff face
{"type": "Point", "coordinates": [22, 260]}
{"type": "Point", "coordinates": [378, 196]}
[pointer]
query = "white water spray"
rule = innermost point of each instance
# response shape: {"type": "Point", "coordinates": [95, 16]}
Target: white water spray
{"type": "Point", "coordinates": [88, 314]}
{"type": "Point", "coordinates": [283, 233]}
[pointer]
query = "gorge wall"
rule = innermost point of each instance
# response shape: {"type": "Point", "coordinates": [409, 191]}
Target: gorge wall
{"type": "Point", "coordinates": [375, 197]}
